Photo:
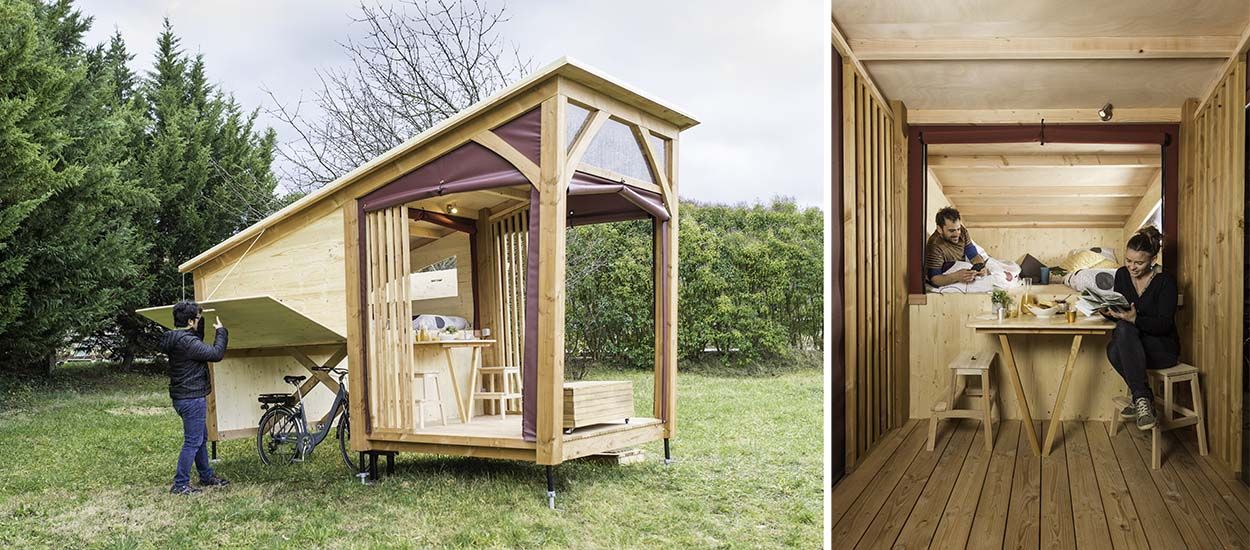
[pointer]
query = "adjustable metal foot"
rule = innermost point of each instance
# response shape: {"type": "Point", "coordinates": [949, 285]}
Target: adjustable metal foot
{"type": "Point", "coordinates": [551, 490]}
{"type": "Point", "coordinates": [668, 456]}
{"type": "Point", "coordinates": [373, 466]}
{"type": "Point", "coordinates": [213, 455]}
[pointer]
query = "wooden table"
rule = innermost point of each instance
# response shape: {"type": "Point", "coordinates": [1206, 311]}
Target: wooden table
{"type": "Point", "coordinates": [463, 406]}
{"type": "Point", "coordinates": [1029, 324]}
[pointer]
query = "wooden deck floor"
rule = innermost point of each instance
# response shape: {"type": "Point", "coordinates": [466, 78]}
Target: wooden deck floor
{"type": "Point", "coordinates": [1094, 491]}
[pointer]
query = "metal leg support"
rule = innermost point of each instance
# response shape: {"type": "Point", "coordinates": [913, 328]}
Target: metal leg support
{"type": "Point", "coordinates": [213, 456]}
{"type": "Point", "coordinates": [390, 464]}
{"type": "Point", "coordinates": [363, 474]}
{"type": "Point", "coordinates": [551, 490]}
{"type": "Point", "coordinates": [373, 466]}
{"type": "Point", "coordinates": [668, 456]}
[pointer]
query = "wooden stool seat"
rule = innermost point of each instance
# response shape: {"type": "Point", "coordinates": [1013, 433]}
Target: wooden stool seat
{"type": "Point", "coordinates": [419, 404]}
{"type": "Point", "coordinates": [499, 388]}
{"type": "Point", "coordinates": [1164, 379]}
{"type": "Point", "coordinates": [974, 364]}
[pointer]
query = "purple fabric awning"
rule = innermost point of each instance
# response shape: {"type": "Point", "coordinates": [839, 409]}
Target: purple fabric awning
{"type": "Point", "coordinates": [593, 199]}
{"type": "Point", "coordinates": [470, 167]}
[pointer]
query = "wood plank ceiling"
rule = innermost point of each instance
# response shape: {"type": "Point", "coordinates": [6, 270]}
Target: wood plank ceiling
{"type": "Point", "coordinates": [1052, 185]}
{"type": "Point", "coordinates": [982, 61]}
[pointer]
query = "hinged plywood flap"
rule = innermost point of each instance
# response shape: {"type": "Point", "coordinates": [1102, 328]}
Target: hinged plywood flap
{"type": "Point", "coordinates": [255, 322]}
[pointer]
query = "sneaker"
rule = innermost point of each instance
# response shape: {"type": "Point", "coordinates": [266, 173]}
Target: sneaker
{"type": "Point", "coordinates": [1145, 413]}
{"type": "Point", "coordinates": [1128, 413]}
{"type": "Point", "coordinates": [184, 490]}
{"type": "Point", "coordinates": [214, 481]}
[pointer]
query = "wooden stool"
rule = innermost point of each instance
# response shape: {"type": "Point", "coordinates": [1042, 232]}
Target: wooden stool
{"type": "Point", "coordinates": [419, 404]}
{"type": "Point", "coordinates": [974, 364]}
{"type": "Point", "coordinates": [1162, 380]}
{"type": "Point", "coordinates": [501, 387]}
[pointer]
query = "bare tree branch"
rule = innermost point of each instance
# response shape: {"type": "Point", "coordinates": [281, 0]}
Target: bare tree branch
{"type": "Point", "coordinates": [418, 63]}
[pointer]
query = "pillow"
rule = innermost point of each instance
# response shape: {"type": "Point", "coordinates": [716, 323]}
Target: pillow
{"type": "Point", "coordinates": [1109, 253]}
{"type": "Point", "coordinates": [1106, 264]}
{"type": "Point", "coordinates": [1082, 259]}
{"type": "Point", "coordinates": [1030, 267]}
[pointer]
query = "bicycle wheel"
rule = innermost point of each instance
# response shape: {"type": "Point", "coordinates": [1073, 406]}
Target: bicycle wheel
{"type": "Point", "coordinates": [278, 436]}
{"type": "Point", "coordinates": [345, 444]}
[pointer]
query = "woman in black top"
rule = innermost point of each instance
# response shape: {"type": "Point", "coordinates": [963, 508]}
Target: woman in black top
{"type": "Point", "coordinates": [1145, 336]}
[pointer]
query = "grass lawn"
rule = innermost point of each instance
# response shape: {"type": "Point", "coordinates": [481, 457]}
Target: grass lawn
{"type": "Point", "coordinates": [87, 461]}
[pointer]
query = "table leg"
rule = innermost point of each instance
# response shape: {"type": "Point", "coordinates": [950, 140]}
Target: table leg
{"type": "Point", "coordinates": [455, 386]}
{"type": "Point", "coordinates": [1022, 402]}
{"type": "Point", "coordinates": [474, 362]}
{"type": "Point", "coordinates": [1056, 415]}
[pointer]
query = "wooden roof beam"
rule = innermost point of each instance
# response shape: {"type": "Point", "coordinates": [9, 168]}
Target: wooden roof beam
{"type": "Point", "coordinates": [1045, 161]}
{"type": "Point", "coordinates": [844, 48]}
{"type": "Point", "coordinates": [1023, 48]}
{"type": "Point", "coordinates": [1032, 116]}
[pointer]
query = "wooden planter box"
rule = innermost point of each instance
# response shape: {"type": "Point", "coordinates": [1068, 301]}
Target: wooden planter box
{"type": "Point", "coordinates": [597, 402]}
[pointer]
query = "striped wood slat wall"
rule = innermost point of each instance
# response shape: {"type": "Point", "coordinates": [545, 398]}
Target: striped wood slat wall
{"type": "Point", "coordinates": [510, 238]}
{"type": "Point", "coordinates": [874, 224]}
{"type": "Point", "coordinates": [1211, 228]}
{"type": "Point", "coordinates": [390, 319]}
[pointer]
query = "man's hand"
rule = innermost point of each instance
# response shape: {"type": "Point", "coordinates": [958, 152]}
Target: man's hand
{"type": "Point", "coordinates": [965, 275]}
{"type": "Point", "coordinates": [217, 323]}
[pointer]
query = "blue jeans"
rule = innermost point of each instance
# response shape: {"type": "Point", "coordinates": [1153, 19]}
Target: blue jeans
{"type": "Point", "coordinates": [194, 440]}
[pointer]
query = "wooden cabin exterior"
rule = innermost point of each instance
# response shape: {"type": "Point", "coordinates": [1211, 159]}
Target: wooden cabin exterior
{"type": "Point", "coordinates": [352, 258]}
{"type": "Point", "coordinates": [992, 107]}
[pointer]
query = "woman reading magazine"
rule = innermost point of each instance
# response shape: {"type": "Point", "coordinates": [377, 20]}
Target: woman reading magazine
{"type": "Point", "coordinates": [1145, 334]}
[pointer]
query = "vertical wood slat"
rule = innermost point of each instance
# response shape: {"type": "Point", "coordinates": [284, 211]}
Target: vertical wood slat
{"type": "Point", "coordinates": [874, 306]}
{"type": "Point", "coordinates": [1212, 198]}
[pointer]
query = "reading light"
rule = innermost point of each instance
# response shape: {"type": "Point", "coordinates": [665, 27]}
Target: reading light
{"type": "Point", "coordinates": [1104, 114]}
{"type": "Point", "coordinates": [451, 209]}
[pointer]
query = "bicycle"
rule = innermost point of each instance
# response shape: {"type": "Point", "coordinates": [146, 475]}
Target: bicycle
{"type": "Point", "coordinates": [282, 436]}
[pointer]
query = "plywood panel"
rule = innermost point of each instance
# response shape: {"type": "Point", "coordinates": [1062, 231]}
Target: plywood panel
{"type": "Point", "coordinates": [939, 333]}
{"type": "Point", "coordinates": [254, 322]}
{"type": "Point", "coordinates": [303, 268]}
{"type": "Point", "coordinates": [1212, 228]}
{"type": "Point", "coordinates": [239, 380]}
{"type": "Point", "coordinates": [1049, 245]}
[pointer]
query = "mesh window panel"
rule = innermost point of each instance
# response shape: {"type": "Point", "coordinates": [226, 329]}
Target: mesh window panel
{"type": "Point", "coordinates": [659, 145]}
{"type": "Point", "coordinates": [615, 148]}
{"type": "Point", "coordinates": [574, 118]}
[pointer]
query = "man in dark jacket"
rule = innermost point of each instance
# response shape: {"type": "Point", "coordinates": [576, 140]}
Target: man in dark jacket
{"type": "Point", "coordinates": [188, 385]}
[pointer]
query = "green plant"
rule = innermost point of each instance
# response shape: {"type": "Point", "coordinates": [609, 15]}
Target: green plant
{"type": "Point", "coordinates": [1000, 297]}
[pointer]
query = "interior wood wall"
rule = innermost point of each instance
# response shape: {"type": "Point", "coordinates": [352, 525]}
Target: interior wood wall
{"type": "Point", "coordinates": [874, 223]}
{"type": "Point", "coordinates": [1210, 255]}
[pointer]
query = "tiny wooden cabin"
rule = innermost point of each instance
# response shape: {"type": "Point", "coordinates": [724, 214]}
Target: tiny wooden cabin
{"type": "Point", "coordinates": [992, 107]}
{"type": "Point", "coordinates": [466, 220]}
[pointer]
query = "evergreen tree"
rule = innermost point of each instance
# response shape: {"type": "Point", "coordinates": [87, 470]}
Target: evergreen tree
{"type": "Point", "coordinates": [68, 251]}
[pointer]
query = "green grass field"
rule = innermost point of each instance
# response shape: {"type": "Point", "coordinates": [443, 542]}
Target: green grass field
{"type": "Point", "coordinates": [86, 461]}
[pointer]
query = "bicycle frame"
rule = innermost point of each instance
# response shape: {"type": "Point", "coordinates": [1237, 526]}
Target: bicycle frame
{"type": "Point", "coordinates": [310, 440]}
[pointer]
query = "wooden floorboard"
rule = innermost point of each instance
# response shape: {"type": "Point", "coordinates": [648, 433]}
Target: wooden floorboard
{"type": "Point", "coordinates": [990, 521]}
{"type": "Point", "coordinates": [1117, 503]}
{"type": "Point", "coordinates": [847, 491]}
{"type": "Point", "coordinates": [1157, 522]}
{"type": "Point", "coordinates": [1189, 520]}
{"type": "Point", "coordinates": [1095, 491]}
{"type": "Point", "coordinates": [1232, 490]}
{"type": "Point", "coordinates": [889, 522]}
{"type": "Point", "coordinates": [848, 530]}
{"type": "Point", "coordinates": [1058, 530]}
{"type": "Point", "coordinates": [1089, 521]}
{"type": "Point", "coordinates": [956, 523]}
{"type": "Point", "coordinates": [1024, 515]}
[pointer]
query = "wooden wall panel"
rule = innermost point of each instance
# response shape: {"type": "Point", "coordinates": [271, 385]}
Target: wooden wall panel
{"type": "Point", "coordinates": [302, 268]}
{"type": "Point", "coordinates": [874, 226]}
{"type": "Point", "coordinates": [1212, 229]}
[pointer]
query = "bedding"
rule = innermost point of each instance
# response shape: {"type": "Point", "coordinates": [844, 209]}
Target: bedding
{"type": "Point", "coordinates": [1002, 275]}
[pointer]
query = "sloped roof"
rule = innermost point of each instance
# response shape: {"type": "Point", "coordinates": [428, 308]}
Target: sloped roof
{"type": "Point", "coordinates": [565, 66]}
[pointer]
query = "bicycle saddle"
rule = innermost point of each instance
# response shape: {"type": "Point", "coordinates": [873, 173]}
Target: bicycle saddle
{"type": "Point", "coordinates": [293, 379]}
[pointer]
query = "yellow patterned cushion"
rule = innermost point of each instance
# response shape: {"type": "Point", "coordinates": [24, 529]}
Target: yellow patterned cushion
{"type": "Point", "coordinates": [1105, 264]}
{"type": "Point", "coordinates": [1083, 260]}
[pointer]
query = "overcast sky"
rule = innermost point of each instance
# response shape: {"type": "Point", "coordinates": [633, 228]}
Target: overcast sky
{"type": "Point", "coordinates": [750, 72]}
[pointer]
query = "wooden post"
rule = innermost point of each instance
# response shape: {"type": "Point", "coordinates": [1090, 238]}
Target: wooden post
{"type": "Point", "coordinates": [355, 334]}
{"type": "Point", "coordinates": [553, 204]}
{"type": "Point", "coordinates": [669, 331]}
